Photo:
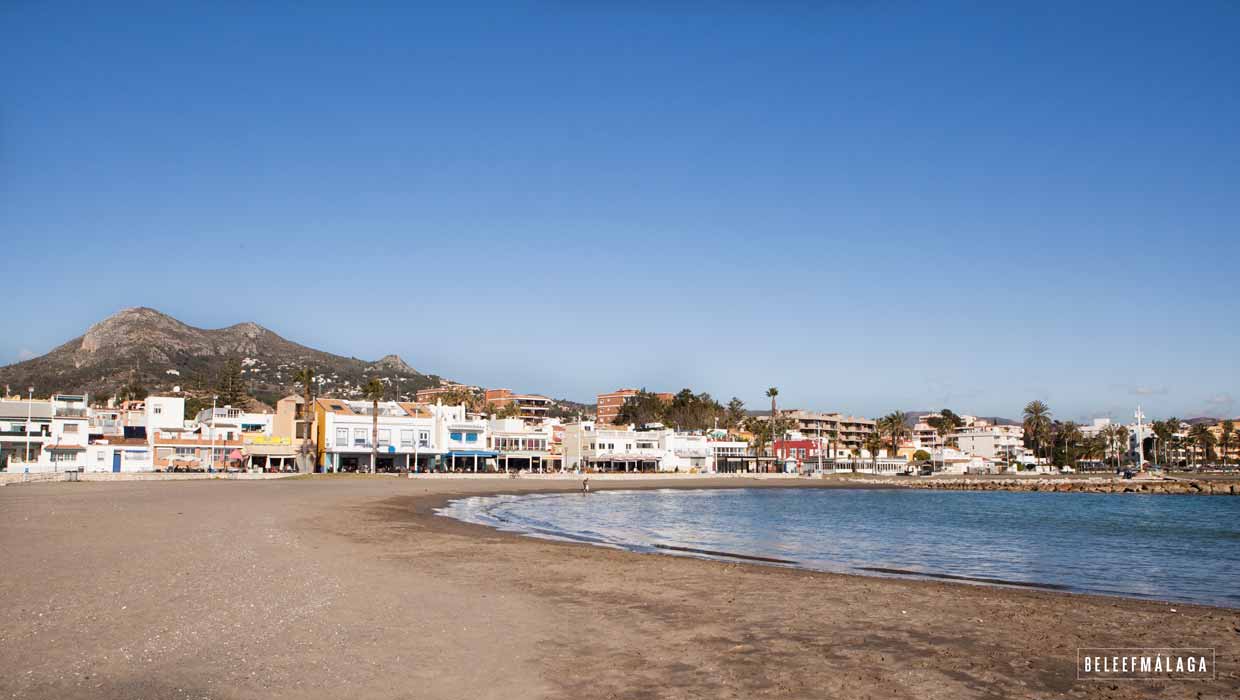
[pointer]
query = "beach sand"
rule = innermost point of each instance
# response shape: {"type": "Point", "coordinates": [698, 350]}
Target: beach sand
{"type": "Point", "coordinates": [352, 588]}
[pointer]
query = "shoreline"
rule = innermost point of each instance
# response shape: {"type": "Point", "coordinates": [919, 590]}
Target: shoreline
{"type": "Point", "coordinates": [354, 586]}
{"type": "Point", "coordinates": [439, 504]}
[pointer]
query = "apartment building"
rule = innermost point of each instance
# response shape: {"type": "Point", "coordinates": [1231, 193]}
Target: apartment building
{"type": "Point", "coordinates": [841, 431]}
{"type": "Point", "coordinates": [533, 407]}
{"type": "Point", "coordinates": [992, 442]}
{"type": "Point", "coordinates": [609, 404]}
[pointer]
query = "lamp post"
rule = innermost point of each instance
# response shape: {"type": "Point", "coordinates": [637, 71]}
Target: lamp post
{"type": "Point", "coordinates": [29, 417]}
{"type": "Point", "coordinates": [211, 431]}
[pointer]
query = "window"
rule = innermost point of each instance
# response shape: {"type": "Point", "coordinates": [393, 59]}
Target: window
{"type": "Point", "coordinates": [159, 410]}
{"type": "Point", "coordinates": [186, 452]}
{"type": "Point", "coordinates": [359, 438]}
{"type": "Point", "coordinates": [455, 436]}
{"type": "Point", "coordinates": [99, 456]}
{"type": "Point", "coordinates": [70, 428]}
{"type": "Point", "coordinates": [342, 437]}
{"type": "Point", "coordinates": [471, 437]}
{"type": "Point", "coordinates": [424, 438]}
{"type": "Point", "coordinates": [385, 437]}
{"type": "Point", "coordinates": [406, 438]}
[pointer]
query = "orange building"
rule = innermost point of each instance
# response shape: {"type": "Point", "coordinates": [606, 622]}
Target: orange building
{"type": "Point", "coordinates": [609, 404]}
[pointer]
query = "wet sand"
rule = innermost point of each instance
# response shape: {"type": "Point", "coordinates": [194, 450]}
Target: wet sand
{"type": "Point", "coordinates": [351, 587]}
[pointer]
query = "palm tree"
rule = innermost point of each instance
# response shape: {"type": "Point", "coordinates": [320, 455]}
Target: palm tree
{"type": "Point", "coordinates": [305, 377]}
{"type": "Point", "coordinates": [874, 443]}
{"type": "Point", "coordinates": [1037, 423]}
{"type": "Point", "coordinates": [1227, 431]}
{"type": "Point", "coordinates": [1201, 435]}
{"type": "Point", "coordinates": [895, 425]}
{"type": "Point", "coordinates": [771, 394]}
{"type": "Point", "coordinates": [374, 392]}
{"type": "Point", "coordinates": [1070, 433]}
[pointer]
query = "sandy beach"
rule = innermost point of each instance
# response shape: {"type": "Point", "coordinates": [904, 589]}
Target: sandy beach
{"type": "Point", "coordinates": [351, 587]}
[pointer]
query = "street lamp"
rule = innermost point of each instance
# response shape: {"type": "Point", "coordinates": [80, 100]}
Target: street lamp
{"type": "Point", "coordinates": [211, 431]}
{"type": "Point", "coordinates": [29, 417]}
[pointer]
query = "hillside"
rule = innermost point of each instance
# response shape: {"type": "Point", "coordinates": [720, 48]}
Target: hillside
{"type": "Point", "coordinates": [157, 352]}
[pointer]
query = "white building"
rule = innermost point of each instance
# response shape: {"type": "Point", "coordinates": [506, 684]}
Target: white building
{"type": "Point", "coordinates": [416, 437]}
{"type": "Point", "coordinates": [993, 442]}
{"type": "Point", "coordinates": [522, 446]}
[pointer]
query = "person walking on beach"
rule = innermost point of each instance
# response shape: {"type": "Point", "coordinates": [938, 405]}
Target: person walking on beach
{"type": "Point", "coordinates": [585, 485]}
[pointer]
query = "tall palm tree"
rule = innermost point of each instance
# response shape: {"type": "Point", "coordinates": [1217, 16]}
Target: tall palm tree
{"type": "Point", "coordinates": [771, 394]}
{"type": "Point", "coordinates": [305, 377]}
{"type": "Point", "coordinates": [374, 392]}
{"type": "Point", "coordinates": [1037, 423]}
{"type": "Point", "coordinates": [1227, 431]}
{"type": "Point", "coordinates": [1070, 433]}
{"type": "Point", "coordinates": [874, 443]}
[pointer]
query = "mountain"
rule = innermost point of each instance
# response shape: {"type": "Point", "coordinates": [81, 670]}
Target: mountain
{"type": "Point", "coordinates": [157, 352]}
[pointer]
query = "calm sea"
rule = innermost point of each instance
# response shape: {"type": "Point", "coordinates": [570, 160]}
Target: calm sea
{"type": "Point", "coordinates": [1176, 548]}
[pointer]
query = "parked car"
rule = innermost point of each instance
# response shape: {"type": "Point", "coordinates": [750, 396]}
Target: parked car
{"type": "Point", "coordinates": [1065, 469]}
{"type": "Point", "coordinates": [1128, 474]}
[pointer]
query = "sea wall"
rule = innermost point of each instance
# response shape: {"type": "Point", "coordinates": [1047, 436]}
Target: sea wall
{"type": "Point", "coordinates": [1220, 487]}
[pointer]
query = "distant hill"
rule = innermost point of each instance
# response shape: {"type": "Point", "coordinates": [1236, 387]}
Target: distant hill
{"type": "Point", "coordinates": [158, 352]}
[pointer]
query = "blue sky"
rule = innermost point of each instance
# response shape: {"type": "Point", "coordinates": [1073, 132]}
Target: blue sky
{"type": "Point", "coordinates": [869, 205]}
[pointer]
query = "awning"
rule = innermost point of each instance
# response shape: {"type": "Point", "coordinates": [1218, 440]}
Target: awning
{"type": "Point", "coordinates": [472, 453]}
{"type": "Point", "coordinates": [67, 448]}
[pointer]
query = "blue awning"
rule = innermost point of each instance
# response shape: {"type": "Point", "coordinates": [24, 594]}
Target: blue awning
{"type": "Point", "coordinates": [472, 453]}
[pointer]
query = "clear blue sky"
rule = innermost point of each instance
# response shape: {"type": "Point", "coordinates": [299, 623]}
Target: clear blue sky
{"type": "Point", "coordinates": [870, 205]}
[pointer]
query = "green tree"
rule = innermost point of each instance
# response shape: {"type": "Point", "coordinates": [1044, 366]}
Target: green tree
{"type": "Point", "coordinates": [921, 456]}
{"type": "Point", "coordinates": [771, 393]}
{"type": "Point", "coordinates": [735, 413]}
{"type": "Point", "coordinates": [1070, 435]}
{"type": "Point", "coordinates": [1037, 424]}
{"type": "Point", "coordinates": [230, 386]}
{"type": "Point", "coordinates": [374, 392]}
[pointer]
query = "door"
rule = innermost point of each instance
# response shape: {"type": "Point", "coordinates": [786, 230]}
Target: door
{"type": "Point", "coordinates": [116, 461]}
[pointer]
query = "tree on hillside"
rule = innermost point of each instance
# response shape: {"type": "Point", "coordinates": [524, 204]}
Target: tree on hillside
{"type": "Point", "coordinates": [735, 413]}
{"type": "Point", "coordinates": [374, 393]}
{"type": "Point", "coordinates": [230, 386]}
{"type": "Point", "coordinates": [1037, 424]}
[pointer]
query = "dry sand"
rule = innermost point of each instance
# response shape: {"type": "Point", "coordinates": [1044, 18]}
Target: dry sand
{"type": "Point", "coordinates": [351, 588]}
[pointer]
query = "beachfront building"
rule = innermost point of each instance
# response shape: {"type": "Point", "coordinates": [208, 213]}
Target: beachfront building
{"type": "Point", "coordinates": [532, 407]}
{"type": "Point", "coordinates": [589, 446]}
{"type": "Point", "coordinates": [840, 432]}
{"type": "Point", "coordinates": [344, 436]}
{"type": "Point", "coordinates": [180, 445]}
{"type": "Point", "coordinates": [992, 442]}
{"type": "Point", "coordinates": [284, 444]}
{"type": "Point", "coordinates": [119, 454]}
{"type": "Point", "coordinates": [521, 446]}
{"type": "Point", "coordinates": [948, 460]}
{"type": "Point", "coordinates": [44, 435]}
